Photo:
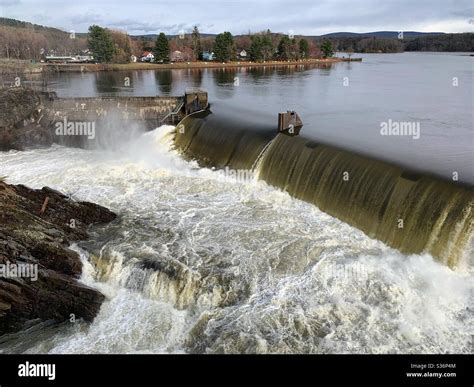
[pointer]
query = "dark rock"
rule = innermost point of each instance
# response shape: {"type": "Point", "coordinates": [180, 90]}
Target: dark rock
{"type": "Point", "coordinates": [30, 236]}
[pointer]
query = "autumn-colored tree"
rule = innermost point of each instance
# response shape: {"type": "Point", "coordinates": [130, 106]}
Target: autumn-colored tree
{"type": "Point", "coordinates": [123, 50]}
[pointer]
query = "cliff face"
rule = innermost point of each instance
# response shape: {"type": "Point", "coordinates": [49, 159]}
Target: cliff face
{"type": "Point", "coordinates": [20, 117]}
{"type": "Point", "coordinates": [38, 273]}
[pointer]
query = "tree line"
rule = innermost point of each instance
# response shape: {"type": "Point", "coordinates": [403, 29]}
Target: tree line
{"type": "Point", "coordinates": [225, 47]}
{"type": "Point", "coordinates": [460, 42]}
{"type": "Point", "coordinates": [259, 47]}
{"type": "Point", "coordinates": [22, 40]}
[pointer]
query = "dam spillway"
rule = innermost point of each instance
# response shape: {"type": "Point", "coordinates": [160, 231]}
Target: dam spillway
{"type": "Point", "coordinates": [410, 211]}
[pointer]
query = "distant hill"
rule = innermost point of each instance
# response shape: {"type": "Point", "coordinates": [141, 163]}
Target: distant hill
{"type": "Point", "coordinates": [21, 24]}
{"type": "Point", "coordinates": [154, 36]}
{"type": "Point", "coordinates": [24, 40]}
{"type": "Point", "coordinates": [379, 34]}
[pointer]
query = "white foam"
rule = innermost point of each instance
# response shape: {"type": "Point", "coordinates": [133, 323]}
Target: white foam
{"type": "Point", "coordinates": [266, 267]}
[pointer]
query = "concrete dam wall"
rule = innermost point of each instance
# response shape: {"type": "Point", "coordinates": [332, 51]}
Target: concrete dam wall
{"type": "Point", "coordinates": [30, 118]}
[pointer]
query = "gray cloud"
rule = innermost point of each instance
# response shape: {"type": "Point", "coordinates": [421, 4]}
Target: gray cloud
{"type": "Point", "coordinates": [86, 18]}
{"type": "Point", "coordinates": [9, 3]}
{"type": "Point", "coordinates": [301, 16]}
{"type": "Point", "coordinates": [136, 26]}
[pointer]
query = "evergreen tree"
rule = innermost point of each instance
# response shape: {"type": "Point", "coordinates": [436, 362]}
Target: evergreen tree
{"type": "Point", "coordinates": [224, 47]}
{"type": "Point", "coordinates": [196, 41]}
{"type": "Point", "coordinates": [326, 48]}
{"type": "Point", "coordinates": [162, 48]}
{"type": "Point", "coordinates": [267, 46]}
{"type": "Point", "coordinates": [304, 48]}
{"type": "Point", "coordinates": [284, 48]}
{"type": "Point", "coordinates": [101, 44]}
{"type": "Point", "coordinates": [261, 47]}
{"type": "Point", "coordinates": [294, 49]}
{"type": "Point", "coordinates": [255, 51]}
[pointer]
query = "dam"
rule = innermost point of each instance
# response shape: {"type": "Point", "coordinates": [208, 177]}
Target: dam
{"type": "Point", "coordinates": [410, 211]}
{"type": "Point", "coordinates": [32, 118]}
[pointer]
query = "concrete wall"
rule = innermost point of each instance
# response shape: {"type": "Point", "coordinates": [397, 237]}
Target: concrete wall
{"type": "Point", "coordinates": [29, 118]}
{"type": "Point", "coordinates": [153, 111]}
{"type": "Point", "coordinates": [20, 109]}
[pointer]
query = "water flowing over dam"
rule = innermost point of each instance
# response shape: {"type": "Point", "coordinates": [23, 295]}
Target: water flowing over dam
{"type": "Point", "coordinates": [200, 136]}
{"type": "Point", "coordinates": [410, 211]}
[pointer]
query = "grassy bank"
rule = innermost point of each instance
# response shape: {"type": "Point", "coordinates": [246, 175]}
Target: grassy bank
{"type": "Point", "coordinates": [26, 67]}
{"type": "Point", "coordinates": [16, 67]}
{"type": "Point", "coordinates": [9, 66]}
{"type": "Point", "coordinates": [184, 65]}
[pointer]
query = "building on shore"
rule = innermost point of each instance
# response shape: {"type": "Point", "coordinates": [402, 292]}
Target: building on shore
{"type": "Point", "coordinates": [208, 56]}
{"type": "Point", "coordinates": [147, 56]}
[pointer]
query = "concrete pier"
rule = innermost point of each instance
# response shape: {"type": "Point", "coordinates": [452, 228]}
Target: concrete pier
{"type": "Point", "coordinates": [151, 111]}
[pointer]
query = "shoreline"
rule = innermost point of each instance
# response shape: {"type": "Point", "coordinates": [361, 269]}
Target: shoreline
{"type": "Point", "coordinates": [186, 65]}
{"type": "Point", "coordinates": [39, 68]}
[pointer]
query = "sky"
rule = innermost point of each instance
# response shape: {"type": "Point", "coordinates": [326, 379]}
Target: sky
{"type": "Point", "coordinates": [305, 17]}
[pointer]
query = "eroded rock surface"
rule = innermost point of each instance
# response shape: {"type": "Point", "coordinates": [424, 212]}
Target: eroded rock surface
{"type": "Point", "coordinates": [32, 233]}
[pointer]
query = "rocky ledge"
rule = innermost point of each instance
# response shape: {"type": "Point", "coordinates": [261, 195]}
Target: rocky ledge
{"type": "Point", "coordinates": [21, 113]}
{"type": "Point", "coordinates": [38, 272]}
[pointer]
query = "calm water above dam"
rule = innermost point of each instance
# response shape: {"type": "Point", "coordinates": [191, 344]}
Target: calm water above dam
{"type": "Point", "coordinates": [344, 104]}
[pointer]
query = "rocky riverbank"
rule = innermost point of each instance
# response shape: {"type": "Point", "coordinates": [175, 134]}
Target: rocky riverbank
{"type": "Point", "coordinates": [38, 272]}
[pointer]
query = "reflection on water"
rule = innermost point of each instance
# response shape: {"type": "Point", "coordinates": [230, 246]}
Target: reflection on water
{"type": "Point", "coordinates": [225, 76]}
{"type": "Point", "coordinates": [196, 76]}
{"type": "Point", "coordinates": [164, 80]}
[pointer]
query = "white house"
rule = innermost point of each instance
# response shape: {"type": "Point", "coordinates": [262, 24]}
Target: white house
{"type": "Point", "coordinates": [147, 56]}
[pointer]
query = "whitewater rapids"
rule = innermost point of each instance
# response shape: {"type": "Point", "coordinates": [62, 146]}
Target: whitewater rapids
{"type": "Point", "coordinates": [199, 262]}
